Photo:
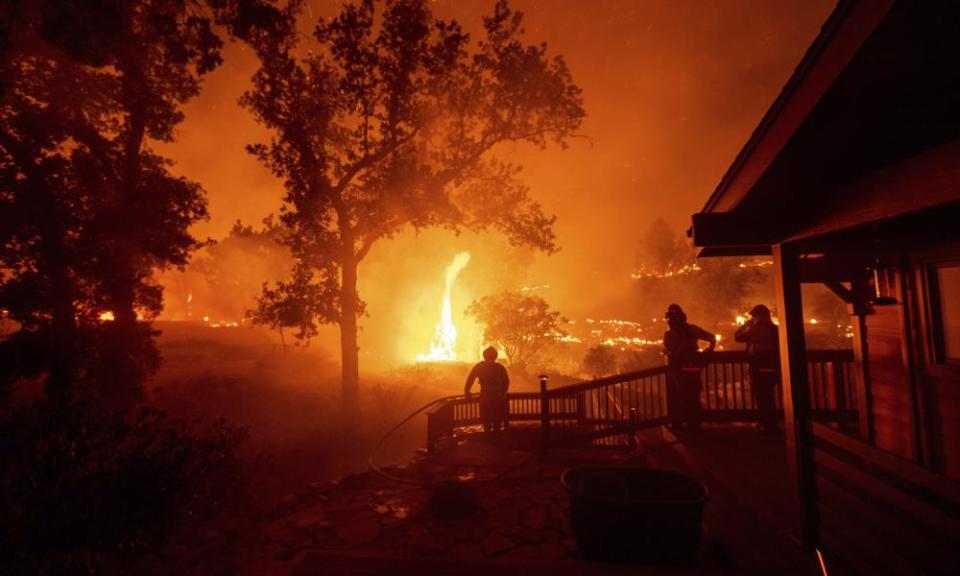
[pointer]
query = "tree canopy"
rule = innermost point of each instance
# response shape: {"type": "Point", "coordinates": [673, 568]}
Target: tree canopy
{"type": "Point", "coordinates": [90, 210]}
{"type": "Point", "coordinates": [391, 119]}
{"type": "Point", "coordinates": [523, 326]}
{"type": "Point", "coordinates": [599, 361]}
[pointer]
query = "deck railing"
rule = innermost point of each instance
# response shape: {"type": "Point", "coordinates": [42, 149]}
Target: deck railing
{"type": "Point", "coordinates": [618, 404]}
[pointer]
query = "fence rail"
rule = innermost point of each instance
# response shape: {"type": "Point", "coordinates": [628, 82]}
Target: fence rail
{"type": "Point", "coordinates": [618, 404]}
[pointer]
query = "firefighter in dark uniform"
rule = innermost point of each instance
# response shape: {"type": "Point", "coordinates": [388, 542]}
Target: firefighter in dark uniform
{"type": "Point", "coordinates": [681, 346]}
{"type": "Point", "coordinates": [494, 383]}
{"type": "Point", "coordinates": [763, 350]}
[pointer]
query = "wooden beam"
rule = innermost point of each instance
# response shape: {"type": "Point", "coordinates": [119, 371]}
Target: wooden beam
{"type": "Point", "coordinates": [831, 268]}
{"type": "Point", "coordinates": [713, 251]}
{"type": "Point", "coordinates": [844, 293]}
{"type": "Point", "coordinates": [730, 229]}
{"type": "Point", "coordinates": [796, 395]}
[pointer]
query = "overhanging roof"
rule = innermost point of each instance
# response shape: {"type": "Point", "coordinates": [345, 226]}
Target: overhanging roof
{"type": "Point", "coordinates": [842, 35]}
{"type": "Point", "coordinates": [878, 88]}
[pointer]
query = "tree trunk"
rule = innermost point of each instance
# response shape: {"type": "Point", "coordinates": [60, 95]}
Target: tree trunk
{"type": "Point", "coordinates": [54, 262]}
{"type": "Point", "coordinates": [128, 223]}
{"type": "Point", "coordinates": [127, 346]}
{"type": "Point", "coordinates": [63, 325]}
{"type": "Point", "coordinates": [350, 363]}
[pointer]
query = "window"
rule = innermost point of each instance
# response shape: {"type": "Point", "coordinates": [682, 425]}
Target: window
{"type": "Point", "coordinates": [946, 281]}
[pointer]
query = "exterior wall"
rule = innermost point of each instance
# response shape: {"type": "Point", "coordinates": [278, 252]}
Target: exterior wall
{"type": "Point", "coordinates": [942, 394]}
{"type": "Point", "coordinates": [890, 397]}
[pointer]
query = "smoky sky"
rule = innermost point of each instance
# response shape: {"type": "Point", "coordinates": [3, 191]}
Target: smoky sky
{"type": "Point", "coordinates": [672, 91]}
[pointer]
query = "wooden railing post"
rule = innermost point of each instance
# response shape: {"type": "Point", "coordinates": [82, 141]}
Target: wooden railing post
{"type": "Point", "coordinates": [839, 385]}
{"type": "Point", "coordinates": [632, 437]}
{"type": "Point", "coordinates": [439, 424]}
{"type": "Point", "coordinates": [581, 408]}
{"type": "Point", "coordinates": [544, 415]}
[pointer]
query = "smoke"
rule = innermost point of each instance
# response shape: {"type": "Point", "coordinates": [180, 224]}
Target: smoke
{"type": "Point", "coordinates": [672, 89]}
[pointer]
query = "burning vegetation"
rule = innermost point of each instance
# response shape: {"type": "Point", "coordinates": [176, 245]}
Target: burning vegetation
{"type": "Point", "coordinates": [402, 234]}
{"type": "Point", "coordinates": [443, 348]}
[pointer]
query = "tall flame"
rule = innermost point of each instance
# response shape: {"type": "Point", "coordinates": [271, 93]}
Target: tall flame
{"type": "Point", "coordinates": [444, 345]}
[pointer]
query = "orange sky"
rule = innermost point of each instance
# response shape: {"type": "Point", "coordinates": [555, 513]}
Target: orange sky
{"type": "Point", "coordinates": [672, 91]}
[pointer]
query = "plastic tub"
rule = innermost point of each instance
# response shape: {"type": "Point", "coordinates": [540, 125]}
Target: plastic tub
{"type": "Point", "coordinates": [632, 514]}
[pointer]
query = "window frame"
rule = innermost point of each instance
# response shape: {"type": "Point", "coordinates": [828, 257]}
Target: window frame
{"type": "Point", "coordinates": [938, 352]}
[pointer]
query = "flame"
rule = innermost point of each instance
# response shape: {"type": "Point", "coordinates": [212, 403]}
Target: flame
{"type": "Point", "coordinates": [443, 347]}
{"type": "Point", "coordinates": [109, 316]}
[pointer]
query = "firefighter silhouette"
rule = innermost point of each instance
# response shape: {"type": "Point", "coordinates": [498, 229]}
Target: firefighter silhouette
{"type": "Point", "coordinates": [681, 347]}
{"type": "Point", "coordinates": [494, 383]}
{"type": "Point", "coordinates": [763, 350]}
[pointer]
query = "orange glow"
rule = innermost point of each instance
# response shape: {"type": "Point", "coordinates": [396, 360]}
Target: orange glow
{"type": "Point", "coordinates": [106, 316]}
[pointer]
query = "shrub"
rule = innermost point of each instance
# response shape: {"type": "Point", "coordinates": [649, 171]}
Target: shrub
{"type": "Point", "coordinates": [82, 493]}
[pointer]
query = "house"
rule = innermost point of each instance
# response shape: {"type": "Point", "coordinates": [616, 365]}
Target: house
{"type": "Point", "coordinates": [852, 180]}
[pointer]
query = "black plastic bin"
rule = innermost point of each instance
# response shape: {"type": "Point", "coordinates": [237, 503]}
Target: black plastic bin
{"type": "Point", "coordinates": [632, 514]}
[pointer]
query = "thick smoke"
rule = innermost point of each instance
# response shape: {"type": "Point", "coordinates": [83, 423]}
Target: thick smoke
{"type": "Point", "coordinates": [672, 92]}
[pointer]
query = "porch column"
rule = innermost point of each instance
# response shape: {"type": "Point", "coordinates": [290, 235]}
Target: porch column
{"type": "Point", "coordinates": [796, 394]}
{"type": "Point", "coordinates": [860, 354]}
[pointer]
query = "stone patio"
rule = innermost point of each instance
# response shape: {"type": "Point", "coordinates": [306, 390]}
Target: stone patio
{"type": "Point", "coordinates": [367, 523]}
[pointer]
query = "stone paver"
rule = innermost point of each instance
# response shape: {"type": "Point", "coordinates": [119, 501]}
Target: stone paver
{"type": "Point", "coordinates": [522, 509]}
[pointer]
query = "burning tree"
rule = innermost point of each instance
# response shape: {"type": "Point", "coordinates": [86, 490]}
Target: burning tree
{"type": "Point", "coordinates": [520, 325]}
{"type": "Point", "coordinates": [392, 120]}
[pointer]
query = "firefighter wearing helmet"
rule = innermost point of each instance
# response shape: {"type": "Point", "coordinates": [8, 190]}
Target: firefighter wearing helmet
{"type": "Point", "coordinates": [681, 347]}
{"type": "Point", "coordinates": [763, 351]}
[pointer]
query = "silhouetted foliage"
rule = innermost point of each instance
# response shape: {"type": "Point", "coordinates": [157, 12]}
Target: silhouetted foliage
{"type": "Point", "coordinates": [600, 361]}
{"type": "Point", "coordinates": [89, 209]}
{"type": "Point", "coordinates": [391, 120]}
{"type": "Point", "coordinates": [712, 290]}
{"type": "Point", "coordinates": [635, 360]}
{"type": "Point", "coordinates": [522, 326]}
{"type": "Point", "coordinates": [662, 249]}
{"type": "Point", "coordinates": [227, 275]}
{"type": "Point", "coordinates": [84, 494]}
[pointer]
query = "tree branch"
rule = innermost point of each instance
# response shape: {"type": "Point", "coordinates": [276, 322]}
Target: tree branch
{"type": "Point", "coordinates": [371, 159]}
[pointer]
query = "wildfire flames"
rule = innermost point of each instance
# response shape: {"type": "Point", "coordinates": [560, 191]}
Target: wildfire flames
{"type": "Point", "coordinates": [444, 345]}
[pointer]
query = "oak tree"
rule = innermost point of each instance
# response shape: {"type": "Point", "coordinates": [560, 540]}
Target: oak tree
{"type": "Point", "coordinates": [391, 118]}
{"type": "Point", "coordinates": [521, 325]}
{"type": "Point", "coordinates": [93, 208]}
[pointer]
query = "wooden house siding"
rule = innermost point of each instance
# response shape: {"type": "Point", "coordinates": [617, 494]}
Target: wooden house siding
{"type": "Point", "coordinates": [890, 399]}
{"type": "Point", "coordinates": [943, 423]}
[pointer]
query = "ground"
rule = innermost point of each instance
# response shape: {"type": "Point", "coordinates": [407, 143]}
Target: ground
{"type": "Point", "coordinates": [368, 523]}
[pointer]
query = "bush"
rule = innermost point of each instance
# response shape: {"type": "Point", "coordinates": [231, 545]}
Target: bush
{"type": "Point", "coordinates": [82, 493]}
{"type": "Point", "coordinates": [599, 361]}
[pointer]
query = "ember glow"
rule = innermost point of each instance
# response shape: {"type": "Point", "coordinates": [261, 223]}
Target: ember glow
{"type": "Point", "coordinates": [683, 270]}
{"type": "Point", "coordinates": [443, 348]}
